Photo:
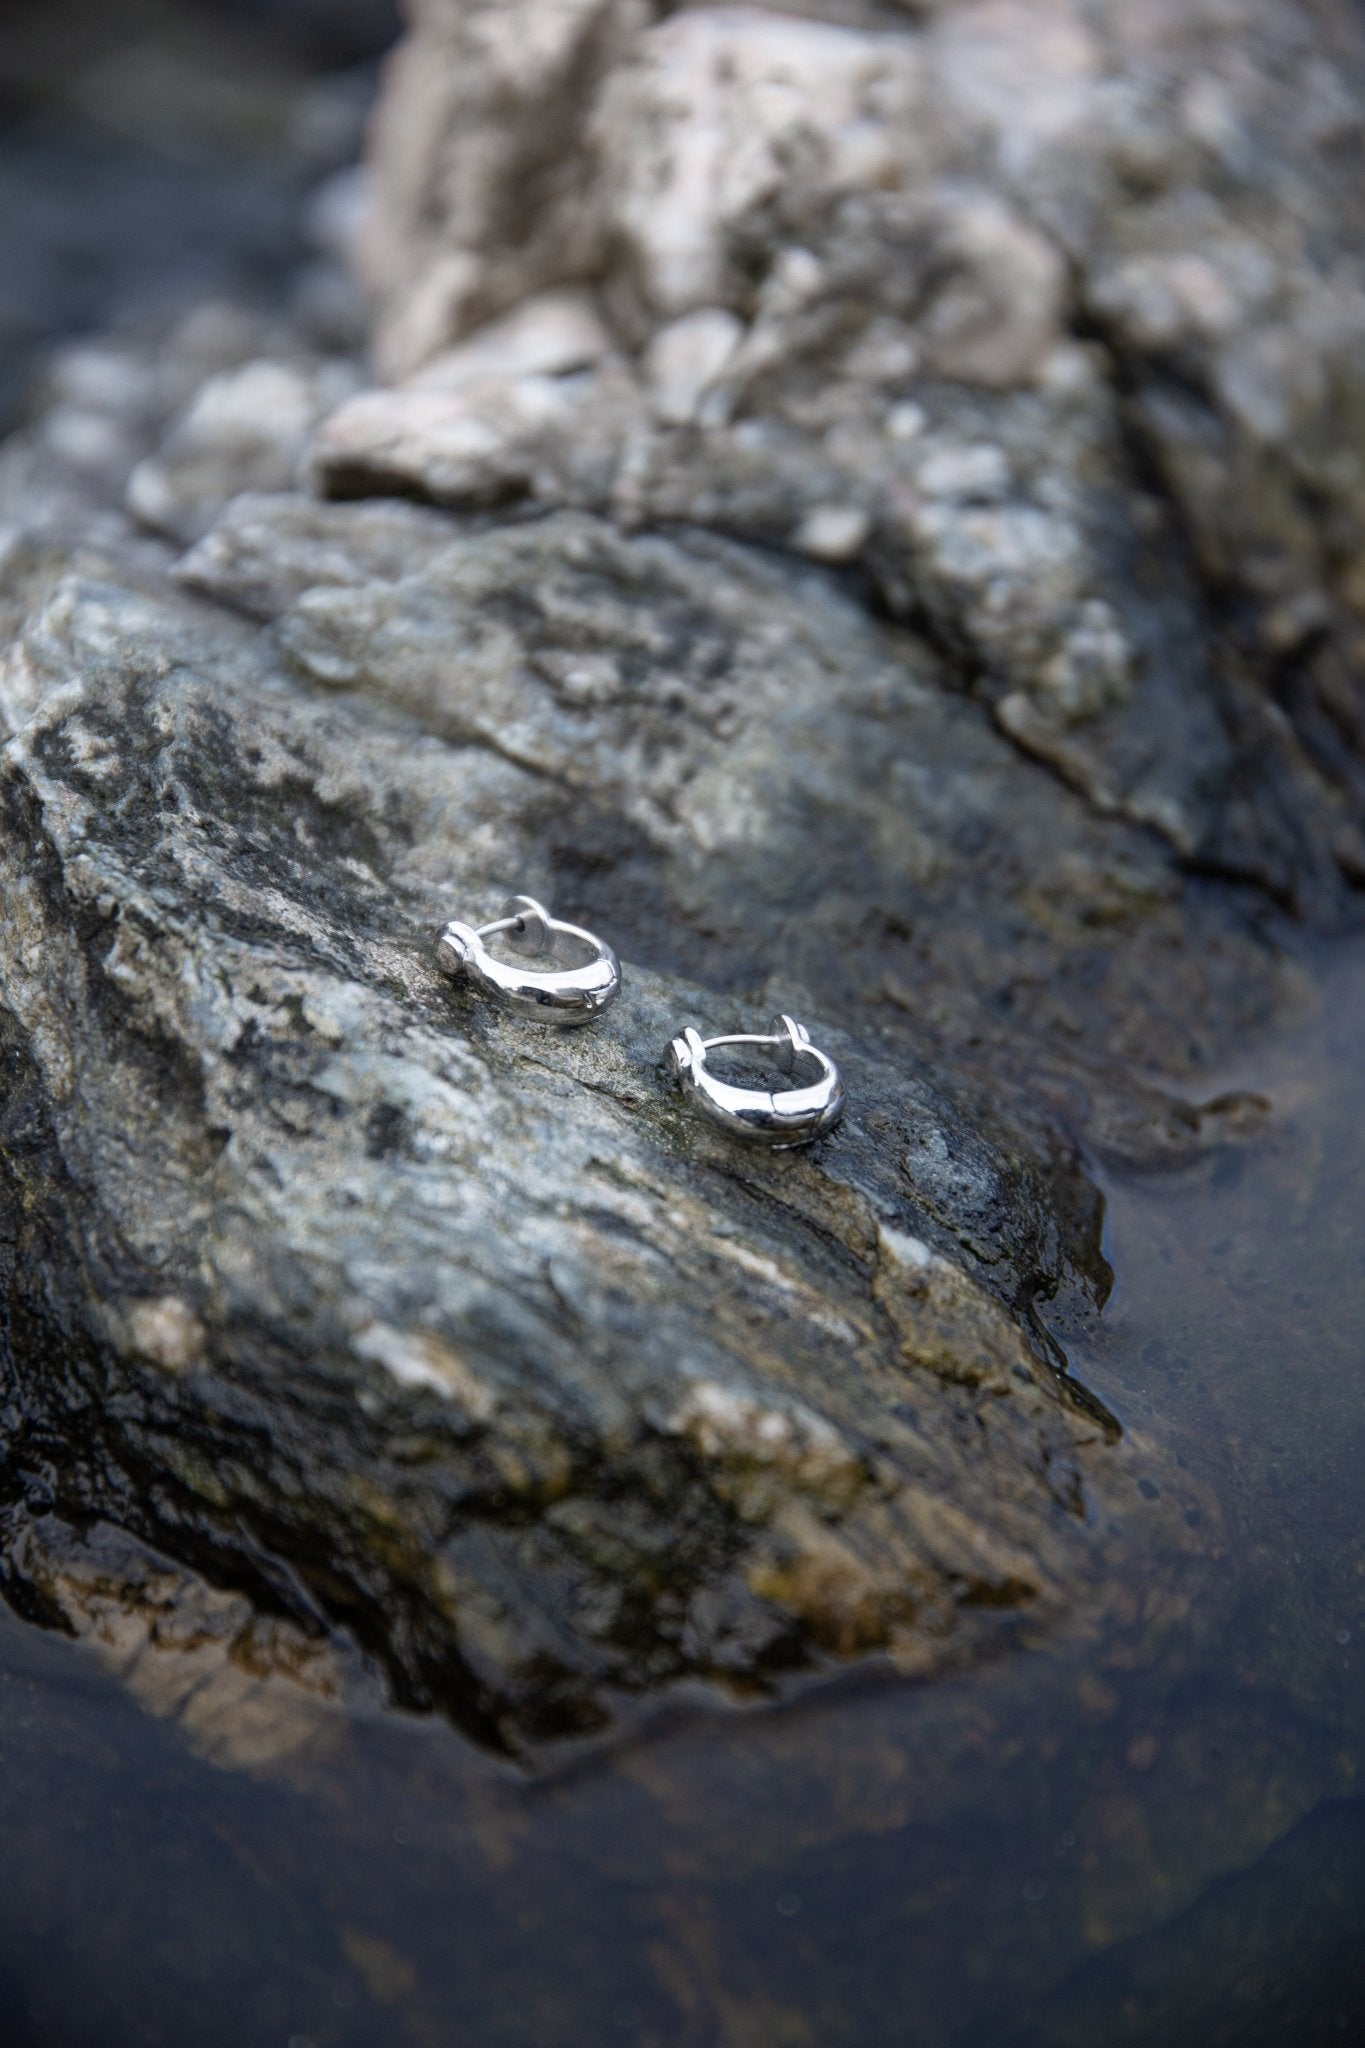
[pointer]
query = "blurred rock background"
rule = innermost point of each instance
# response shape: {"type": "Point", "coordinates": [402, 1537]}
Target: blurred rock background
{"type": "Point", "coordinates": [153, 150]}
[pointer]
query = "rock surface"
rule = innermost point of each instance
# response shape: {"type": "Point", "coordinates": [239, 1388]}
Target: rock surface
{"type": "Point", "coordinates": [526, 1376]}
{"type": "Point", "coordinates": [802, 604]}
{"type": "Point", "coordinates": [1051, 314]}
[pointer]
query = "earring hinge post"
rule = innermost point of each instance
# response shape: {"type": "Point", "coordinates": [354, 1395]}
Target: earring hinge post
{"type": "Point", "coordinates": [742, 1038]}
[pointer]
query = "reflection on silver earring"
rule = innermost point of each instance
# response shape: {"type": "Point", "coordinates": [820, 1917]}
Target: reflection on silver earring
{"type": "Point", "coordinates": [793, 1116]}
{"type": "Point", "coordinates": [572, 990]}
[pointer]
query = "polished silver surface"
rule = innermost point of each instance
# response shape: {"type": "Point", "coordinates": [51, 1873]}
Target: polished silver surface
{"type": "Point", "coordinates": [792, 1116]}
{"type": "Point", "coordinates": [582, 974]}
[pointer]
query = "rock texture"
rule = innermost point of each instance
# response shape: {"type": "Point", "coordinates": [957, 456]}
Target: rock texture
{"type": "Point", "coordinates": [1051, 315]}
{"type": "Point", "coordinates": [527, 1377]}
{"type": "Point", "coordinates": [807, 599]}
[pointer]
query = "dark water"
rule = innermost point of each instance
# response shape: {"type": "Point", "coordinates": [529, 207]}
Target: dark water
{"type": "Point", "coordinates": [1149, 1831]}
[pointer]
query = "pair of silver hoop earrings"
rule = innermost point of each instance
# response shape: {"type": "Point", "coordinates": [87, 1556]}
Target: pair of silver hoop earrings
{"type": "Point", "coordinates": [581, 977]}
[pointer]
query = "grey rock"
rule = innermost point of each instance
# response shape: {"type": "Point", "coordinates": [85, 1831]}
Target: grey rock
{"type": "Point", "coordinates": [791, 607]}
{"type": "Point", "coordinates": [245, 430]}
{"type": "Point", "coordinates": [523, 1375]}
{"type": "Point", "coordinates": [915, 212]}
{"type": "Point", "coordinates": [510, 1367]}
{"type": "Point", "coordinates": [265, 551]}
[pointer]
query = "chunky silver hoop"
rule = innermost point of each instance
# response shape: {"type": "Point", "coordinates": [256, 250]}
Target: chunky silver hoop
{"type": "Point", "coordinates": [571, 991]}
{"type": "Point", "coordinates": [792, 1116]}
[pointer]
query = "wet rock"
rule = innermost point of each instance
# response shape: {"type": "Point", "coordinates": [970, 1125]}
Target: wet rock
{"type": "Point", "coordinates": [246, 1688]}
{"type": "Point", "coordinates": [791, 605]}
{"type": "Point", "coordinates": [471, 1341]}
{"type": "Point", "coordinates": [524, 1375]}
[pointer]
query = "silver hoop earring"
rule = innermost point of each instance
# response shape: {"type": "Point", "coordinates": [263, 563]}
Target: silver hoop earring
{"type": "Point", "coordinates": [793, 1116]}
{"type": "Point", "coordinates": [571, 991]}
